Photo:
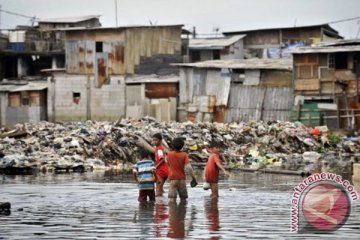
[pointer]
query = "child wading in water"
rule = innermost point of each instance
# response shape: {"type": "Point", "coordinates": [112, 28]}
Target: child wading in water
{"type": "Point", "coordinates": [161, 167]}
{"type": "Point", "coordinates": [213, 165]}
{"type": "Point", "coordinates": [177, 162]}
{"type": "Point", "coordinates": [144, 174]}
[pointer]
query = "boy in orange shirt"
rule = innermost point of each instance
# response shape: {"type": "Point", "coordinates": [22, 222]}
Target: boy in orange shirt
{"type": "Point", "coordinates": [213, 165]}
{"type": "Point", "coordinates": [177, 161]}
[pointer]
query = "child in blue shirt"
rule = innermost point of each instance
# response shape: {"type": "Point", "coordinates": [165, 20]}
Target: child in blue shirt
{"type": "Point", "coordinates": [144, 174]}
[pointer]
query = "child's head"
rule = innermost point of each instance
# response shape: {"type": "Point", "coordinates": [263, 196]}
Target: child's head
{"type": "Point", "coordinates": [215, 146]}
{"type": "Point", "coordinates": [157, 139]}
{"type": "Point", "coordinates": [178, 144]}
{"type": "Point", "coordinates": [144, 154]}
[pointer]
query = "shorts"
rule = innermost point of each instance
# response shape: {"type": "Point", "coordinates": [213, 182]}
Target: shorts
{"type": "Point", "coordinates": [162, 174]}
{"type": "Point", "coordinates": [143, 194]}
{"type": "Point", "coordinates": [177, 186]}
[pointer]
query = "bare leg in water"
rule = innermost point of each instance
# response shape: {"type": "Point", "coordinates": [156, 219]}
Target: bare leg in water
{"type": "Point", "coordinates": [160, 187]}
{"type": "Point", "coordinates": [214, 190]}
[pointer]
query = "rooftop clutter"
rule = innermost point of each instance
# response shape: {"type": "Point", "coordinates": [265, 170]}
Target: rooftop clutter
{"type": "Point", "coordinates": [84, 146]}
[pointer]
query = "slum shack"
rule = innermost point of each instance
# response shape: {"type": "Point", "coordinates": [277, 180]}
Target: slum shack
{"type": "Point", "coordinates": [152, 95]}
{"type": "Point", "coordinates": [22, 101]}
{"type": "Point", "coordinates": [278, 42]}
{"type": "Point", "coordinates": [326, 84]}
{"type": "Point", "coordinates": [98, 63]}
{"type": "Point", "coordinates": [236, 90]}
{"type": "Point", "coordinates": [204, 49]}
{"type": "Point", "coordinates": [30, 50]}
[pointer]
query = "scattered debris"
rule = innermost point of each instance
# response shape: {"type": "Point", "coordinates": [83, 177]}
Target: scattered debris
{"type": "Point", "coordinates": [84, 146]}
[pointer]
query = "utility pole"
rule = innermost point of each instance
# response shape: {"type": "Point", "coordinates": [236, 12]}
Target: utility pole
{"type": "Point", "coordinates": [116, 14]}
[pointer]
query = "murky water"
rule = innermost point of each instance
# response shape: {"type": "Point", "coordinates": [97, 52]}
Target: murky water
{"type": "Point", "coordinates": [104, 206]}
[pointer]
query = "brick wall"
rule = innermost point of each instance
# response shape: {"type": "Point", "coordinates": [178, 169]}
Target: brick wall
{"type": "Point", "coordinates": [105, 103]}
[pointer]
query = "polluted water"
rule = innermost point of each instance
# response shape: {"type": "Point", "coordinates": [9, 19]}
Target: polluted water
{"type": "Point", "coordinates": [98, 205]}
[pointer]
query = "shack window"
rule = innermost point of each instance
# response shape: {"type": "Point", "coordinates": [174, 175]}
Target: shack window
{"type": "Point", "coordinates": [195, 56]}
{"type": "Point", "coordinates": [341, 60]}
{"type": "Point", "coordinates": [76, 97]}
{"type": "Point", "coordinates": [238, 76]}
{"type": "Point", "coordinates": [99, 46]}
{"type": "Point", "coordinates": [216, 54]}
{"type": "Point", "coordinates": [18, 99]}
{"type": "Point", "coordinates": [24, 98]}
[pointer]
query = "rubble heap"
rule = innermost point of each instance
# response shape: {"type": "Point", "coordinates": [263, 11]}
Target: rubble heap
{"type": "Point", "coordinates": [255, 145]}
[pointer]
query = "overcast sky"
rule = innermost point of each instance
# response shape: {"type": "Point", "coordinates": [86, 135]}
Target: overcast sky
{"type": "Point", "coordinates": [205, 15]}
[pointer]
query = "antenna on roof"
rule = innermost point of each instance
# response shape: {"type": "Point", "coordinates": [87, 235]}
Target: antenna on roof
{"type": "Point", "coordinates": [295, 22]}
{"type": "Point", "coordinates": [32, 20]}
{"type": "Point", "coordinates": [216, 30]}
{"type": "Point", "coordinates": [152, 23]}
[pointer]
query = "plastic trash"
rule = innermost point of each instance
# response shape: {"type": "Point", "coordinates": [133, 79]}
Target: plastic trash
{"type": "Point", "coordinates": [206, 186]}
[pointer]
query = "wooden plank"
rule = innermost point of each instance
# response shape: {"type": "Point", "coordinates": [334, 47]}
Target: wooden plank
{"type": "Point", "coordinates": [307, 84]}
{"type": "Point", "coordinates": [14, 99]}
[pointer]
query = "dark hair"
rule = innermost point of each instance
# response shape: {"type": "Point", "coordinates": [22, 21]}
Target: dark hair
{"type": "Point", "coordinates": [157, 136]}
{"type": "Point", "coordinates": [143, 153]}
{"type": "Point", "coordinates": [214, 144]}
{"type": "Point", "coordinates": [178, 143]}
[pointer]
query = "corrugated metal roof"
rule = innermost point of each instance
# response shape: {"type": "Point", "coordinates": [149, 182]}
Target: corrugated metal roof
{"type": "Point", "coordinates": [152, 79]}
{"type": "Point", "coordinates": [73, 19]}
{"type": "Point", "coordinates": [327, 49]}
{"type": "Point", "coordinates": [31, 86]}
{"type": "Point", "coordinates": [7, 87]}
{"type": "Point", "coordinates": [115, 28]}
{"type": "Point", "coordinates": [324, 25]}
{"type": "Point", "coordinates": [214, 43]}
{"type": "Point", "coordinates": [254, 63]}
{"type": "Point", "coordinates": [340, 42]}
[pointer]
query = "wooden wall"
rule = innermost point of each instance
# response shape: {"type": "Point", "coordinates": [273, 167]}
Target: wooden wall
{"type": "Point", "coordinates": [124, 49]}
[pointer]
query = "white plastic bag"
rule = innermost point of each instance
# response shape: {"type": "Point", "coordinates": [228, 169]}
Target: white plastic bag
{"type": "Point", "coordinates": [206, 186]}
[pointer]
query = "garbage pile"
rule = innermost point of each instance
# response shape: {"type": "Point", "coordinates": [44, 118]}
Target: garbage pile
{"type": "Point", "coordinates": [84, 146]}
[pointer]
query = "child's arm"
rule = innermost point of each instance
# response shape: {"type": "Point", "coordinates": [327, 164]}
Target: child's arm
{"type": "Point", "coordinates": [155, 176]}
{"type": "Point", "coordinates": [135, 175]}
{"type": "Point", "coordinates": [161, 157]}
{"type": "Point", "coordinates": [221, 167]}
{"type": "Point", "coordinates": [160, 162]}
{"type": "Point", "coordinates": [190, 170]}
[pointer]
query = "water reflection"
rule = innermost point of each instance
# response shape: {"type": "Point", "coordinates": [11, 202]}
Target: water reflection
{"type": "Point", "coordinates": [212, 216]}
{"type": "Point", "coordinates": [177, 213]}
{"type": "Point", "coordinates": [161, 217]}
{"type": "Point", "coordinates": [145, 218]}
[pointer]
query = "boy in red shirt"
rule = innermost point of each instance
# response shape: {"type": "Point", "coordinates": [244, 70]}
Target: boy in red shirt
{"type": "Point", "coordinates": [211, 172]}
{"type": "Point", "coordinates": [160, 165]}
{"type": "Point", "coordinates": [177, 161]}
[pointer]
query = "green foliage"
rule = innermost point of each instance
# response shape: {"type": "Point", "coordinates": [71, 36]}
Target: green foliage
{"type": "Point", "coordinates": [334, 139]}
{"type": "Point", "coordinates": [234, 165]}
{"type": "Point", "coordinates": [321, 149]}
